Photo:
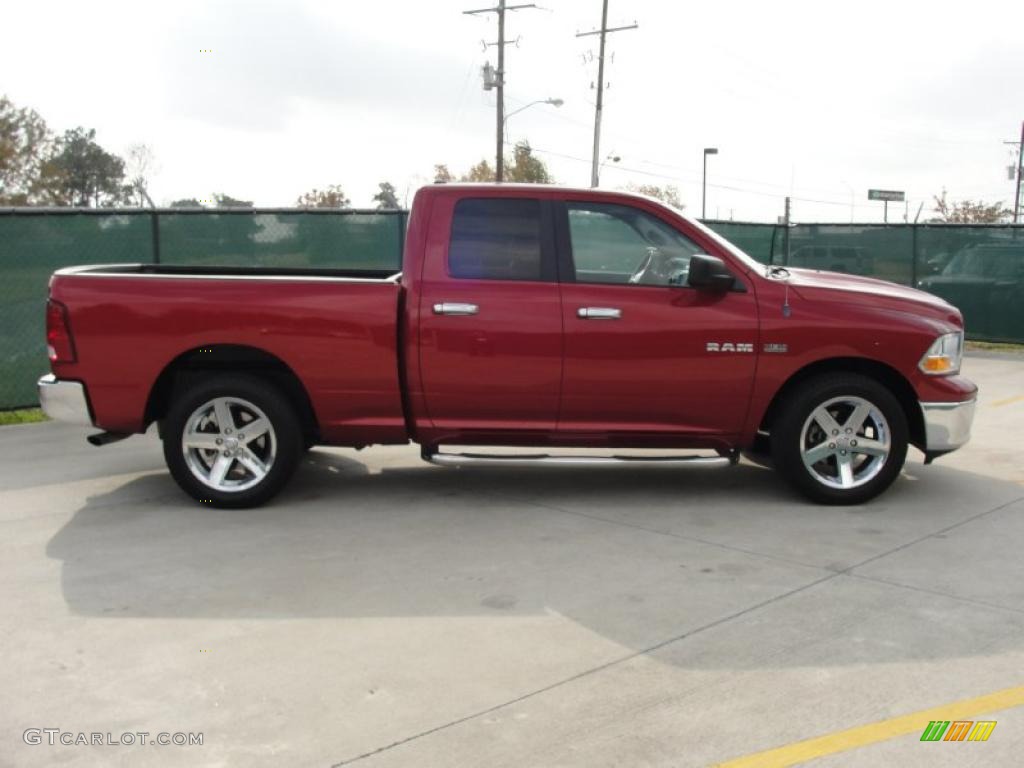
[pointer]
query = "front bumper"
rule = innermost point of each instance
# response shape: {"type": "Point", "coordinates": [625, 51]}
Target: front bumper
{"type": "Point", "coordinates": [64, 400]}
{"type": "Point", "coordinates": [947, 426]}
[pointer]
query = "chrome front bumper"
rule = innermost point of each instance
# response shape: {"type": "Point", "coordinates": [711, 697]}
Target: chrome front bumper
{"type": "Point", "coordinates": [64, 400]}
{"type": "Point", "coordinates": [947, 426]}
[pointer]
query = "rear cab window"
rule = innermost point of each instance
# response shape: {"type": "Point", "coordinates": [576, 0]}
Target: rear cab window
{"type": "Point", "coordinates": [498, 239]}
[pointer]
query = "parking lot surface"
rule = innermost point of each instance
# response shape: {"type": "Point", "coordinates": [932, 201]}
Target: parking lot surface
{"type": "Point", "coordinates": [385, 612]}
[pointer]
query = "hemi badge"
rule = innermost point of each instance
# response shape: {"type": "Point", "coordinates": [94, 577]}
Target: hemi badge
{"type": "Point", "coordinates": [779, 349]}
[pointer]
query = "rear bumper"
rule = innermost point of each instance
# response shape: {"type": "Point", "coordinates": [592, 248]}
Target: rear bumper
{"type": "Point", "coordinates": [947, 426]}
{"type": "Point", "coordinates": [64, 400]}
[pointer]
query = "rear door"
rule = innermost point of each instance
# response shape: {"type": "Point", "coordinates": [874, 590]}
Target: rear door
{"type": "Point", "coordinates": [490, 316]}
{"type": "Point", "coordinates": [645, 353]}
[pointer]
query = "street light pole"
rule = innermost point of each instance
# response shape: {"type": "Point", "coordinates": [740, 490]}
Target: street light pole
{"type": "Point", "coordinates": [552, 102]}
{"type": "Point", "coordinates": [612, 158]}
{"type": "Point", "coordinates": [704, 181]}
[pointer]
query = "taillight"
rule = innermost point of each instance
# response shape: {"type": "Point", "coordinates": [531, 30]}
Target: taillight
{"type": "Point", "coordinates": [59, 344]}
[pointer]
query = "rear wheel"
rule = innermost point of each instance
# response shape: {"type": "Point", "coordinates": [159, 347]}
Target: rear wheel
{"type": "Point", "coordinates": [231, 441]}
{"type": "Point", "coordinates": [840, 439]}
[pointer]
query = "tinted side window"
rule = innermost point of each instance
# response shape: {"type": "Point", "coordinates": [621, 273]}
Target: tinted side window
{"type": "Point", "coordinates": [619, 244]}
{"type": "Point", "coordinates": [496, 239]}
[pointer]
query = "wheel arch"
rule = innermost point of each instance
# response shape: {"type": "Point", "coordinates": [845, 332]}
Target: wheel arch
{"type": "Point", "coordinates": [884, 374]}
{"type": "Point", "coordinates": [230, 358]}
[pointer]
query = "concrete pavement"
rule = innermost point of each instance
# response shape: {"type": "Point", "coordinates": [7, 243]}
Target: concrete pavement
{"type": "Point", "coordinates": [385, 612]}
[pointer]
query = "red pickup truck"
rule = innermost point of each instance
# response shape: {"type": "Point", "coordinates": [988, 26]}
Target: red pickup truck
{"type": "Point", "coordinates": [523, 316]}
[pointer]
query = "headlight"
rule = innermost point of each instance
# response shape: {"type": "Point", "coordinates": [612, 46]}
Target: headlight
{"type": "Point", "coordinates": [943, 357]}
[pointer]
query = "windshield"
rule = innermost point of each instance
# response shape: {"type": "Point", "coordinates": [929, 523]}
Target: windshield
{"type": "Point", "coordinates": [739, 253]}
{"type": "Point", "coordinates": [983, 262]}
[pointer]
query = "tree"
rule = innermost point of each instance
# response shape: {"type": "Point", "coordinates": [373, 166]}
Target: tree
{"type": "Point", "coordinates": [526, 168]}
{"type": "Point", "coordinates": [970, 211]}
{"type": "Point", "coordinates": [80, 172]}
{"type": "Point", "coordinates": [442, 174]}
{"type": "Point", "coordinates": [187, 202]}
{"type": "Point", "coordinates": [226, 201]}
{"type": "Point", "coordinates": [482, 171]}
{"type": "Point", "coordinates": [24, 143]}
{"type": "Point", "coordinates": [140, 165]}
{"type": "Point", "coordinates": [332, 197]}
{"type": "Point", "coordinates": [386, 198]}
{"type": "Point", "coordinates": [668, 195]}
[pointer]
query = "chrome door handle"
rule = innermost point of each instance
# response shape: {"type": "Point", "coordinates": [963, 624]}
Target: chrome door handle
{"type": "Point", "coordinates": [455, 308]}
{"type": "Point", "coordinates": [599, 313]}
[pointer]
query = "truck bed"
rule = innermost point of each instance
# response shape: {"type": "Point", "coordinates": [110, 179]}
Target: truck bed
{"type": "Point", "coordinates": [336, 330]}
{"type": "Point", "coordinates": [230, 271]}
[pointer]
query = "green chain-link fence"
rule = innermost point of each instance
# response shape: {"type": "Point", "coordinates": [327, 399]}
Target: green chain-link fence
{"type": "Point", "coordinates": [978, 268]}
{"type": "Point", "coordinates": [35, 242]}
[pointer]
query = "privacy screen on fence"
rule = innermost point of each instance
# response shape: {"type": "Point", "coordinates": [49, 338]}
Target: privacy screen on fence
{"type": "Point", "coordinates": [980, 269]}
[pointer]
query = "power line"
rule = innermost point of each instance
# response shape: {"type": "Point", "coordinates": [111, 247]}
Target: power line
{"type": "Point", "coordinates": [687, 174]}
{"type": "Point", "coordinates": [690, 177]}
{"type": "Point", "coordinates": [728, 187]}
{"type": "Point", "coordinates": [462, 95]}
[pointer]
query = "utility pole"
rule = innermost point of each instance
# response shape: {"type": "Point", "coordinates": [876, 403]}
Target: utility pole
{"type": "Point", "coordinates": [499, 151]}
{"type": "Point", "coordinates": [1020, 172]}
{"type": "Point", "coordinates": [603, 32]}
{"type": "Point", "coordinates": [499, 148]}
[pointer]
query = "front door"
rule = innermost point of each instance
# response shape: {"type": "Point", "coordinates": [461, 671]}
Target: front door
{"type": "Point", "coordinates": [490, 316]}
{"type": "Point", "coordinates": [645, 353]}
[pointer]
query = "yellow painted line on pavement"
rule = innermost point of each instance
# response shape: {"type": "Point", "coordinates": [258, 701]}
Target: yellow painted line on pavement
{"type": "Point", "coordinates": [1008, 401]}
{"type": "Point", "coordinates": [862, 735]}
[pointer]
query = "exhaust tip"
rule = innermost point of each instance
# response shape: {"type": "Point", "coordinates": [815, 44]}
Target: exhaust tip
{"type": "Point", "coordinates": [106, 438]}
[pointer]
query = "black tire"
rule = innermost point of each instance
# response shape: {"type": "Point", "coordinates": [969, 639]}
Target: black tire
{"type": "Point", "coordinates": [285, 432]}
{"type": "Point", "coordinates": [817, 482]}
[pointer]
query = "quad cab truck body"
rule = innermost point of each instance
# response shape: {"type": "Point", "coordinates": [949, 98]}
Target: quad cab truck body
{"type": "Point", "coordinates": [523, 316]}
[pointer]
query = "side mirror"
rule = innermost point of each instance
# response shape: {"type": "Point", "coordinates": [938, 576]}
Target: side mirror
{"type": "Point", "coordinates": [709, 273]}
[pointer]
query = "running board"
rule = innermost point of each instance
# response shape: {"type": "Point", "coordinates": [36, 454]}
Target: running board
{"type": "Point", "coordinates": [530, 460]}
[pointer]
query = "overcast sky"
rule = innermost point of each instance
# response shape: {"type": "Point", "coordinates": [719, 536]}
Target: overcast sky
{"type": "Point", "coordinates": [817, 100]}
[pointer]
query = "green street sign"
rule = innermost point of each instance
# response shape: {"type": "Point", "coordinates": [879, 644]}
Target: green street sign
{"type": "Point", "coordinates": [888, 195]}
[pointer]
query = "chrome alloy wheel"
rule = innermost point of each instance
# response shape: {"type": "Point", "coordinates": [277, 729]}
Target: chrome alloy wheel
{"type": "Point", "coordinates": [229, 444]}
{"type": "Point", "coordinates": [845, 442]}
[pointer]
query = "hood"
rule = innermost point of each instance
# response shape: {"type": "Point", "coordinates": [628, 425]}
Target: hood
{"type": "Point", "coordinates": [816, 285]}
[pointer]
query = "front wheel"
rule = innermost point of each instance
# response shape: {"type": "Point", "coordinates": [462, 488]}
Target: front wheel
{"type": "Point", "coordinates": [840, 439]}
{"type": "Point", "coordinates": [231, 441]}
